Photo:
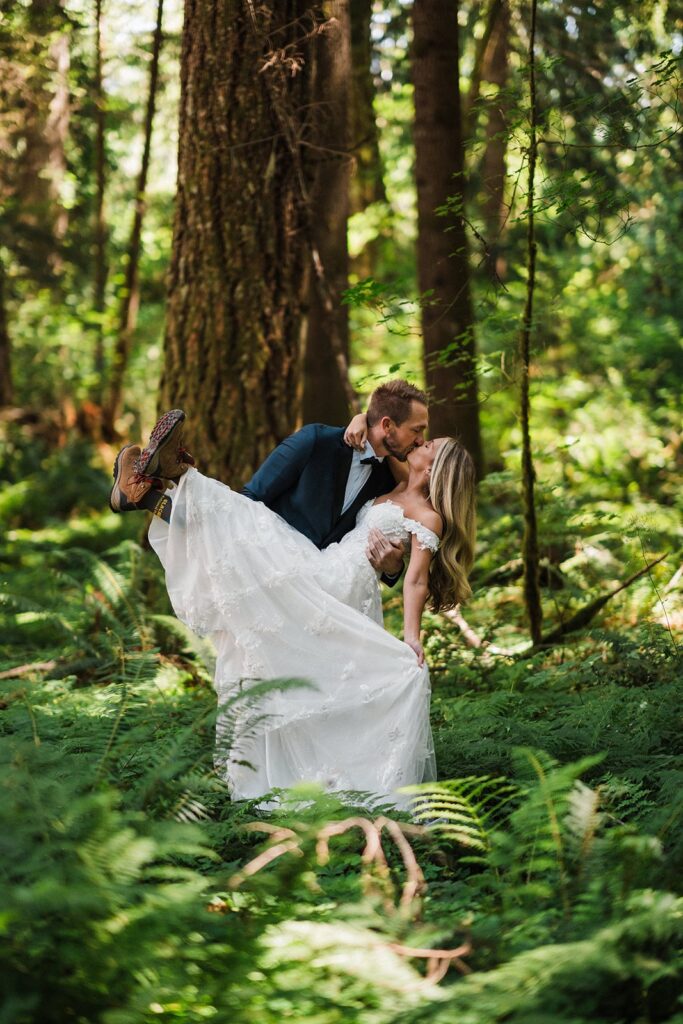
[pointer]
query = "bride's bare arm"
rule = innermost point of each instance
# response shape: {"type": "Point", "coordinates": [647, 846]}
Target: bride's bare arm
{"type": "Point", "coordinates": [356, 433]}
{"type": "Point", "coordinates": [416, 586]}
{"type": "Point", "coordinates": [415, 593]}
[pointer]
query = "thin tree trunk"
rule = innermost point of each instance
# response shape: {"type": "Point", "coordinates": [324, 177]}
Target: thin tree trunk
{"type": "Point", "coordinates": [324, 395]}
{"type": "Point", "coordinates": [45, 121]}
{"type": "Point", "coordinates": [130, 297]}
{"type": "Point", "coordinates": [6, 389]}
{"type": "Point", "coordinates": [495, 72]}
{"type": "Point", "coordinates": [240, 264]}
{"type": "Point", "coordinates": [530, 556]}
{"type": "Point", "coordinates": [57, 131]}
{"type": "Point", "coordinates": [367, 184]}
{"type": "Point", "coordinates": [100, 270]}
{"type": "Point", "coordinates": [480, 59]}
{"type": "Point", "coordinates": [367, 179]}
{"type": "Point", "coordinates": [442, 251]}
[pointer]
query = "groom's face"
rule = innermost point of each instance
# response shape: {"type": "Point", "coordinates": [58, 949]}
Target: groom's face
{"type": "Point", "coordinates": [401, 439]}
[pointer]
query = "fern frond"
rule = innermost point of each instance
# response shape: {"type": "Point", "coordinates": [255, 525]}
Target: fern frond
{"type": "Point", "coordinates": [464, 808]}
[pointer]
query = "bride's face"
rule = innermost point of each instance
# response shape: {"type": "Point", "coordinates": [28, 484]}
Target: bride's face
{"type": "Point", "coordinates": [421, 459]}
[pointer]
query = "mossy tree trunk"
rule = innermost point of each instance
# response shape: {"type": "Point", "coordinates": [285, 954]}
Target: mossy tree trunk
{"type": "Point", "coordinates": [39, 140]}
{"type": "Point", "coordinates": [100, 269]}
{"type": "Point", "coordinates": [324, 395]}
{"type": "Point", "coordinates": [442, 252]}
{"type": "Point", "coordinates": [494, 161]}
{"type": "Point", "coordinates": [367, 181]}
{"type": "Point", "coordinates": [240, 263]}
{"type": "Point", "coordinates": [6, 389]}
{"type": "Point", "coordinates": [530, 552]}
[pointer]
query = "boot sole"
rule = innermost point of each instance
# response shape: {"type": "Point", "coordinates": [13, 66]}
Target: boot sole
{"type": "Point", "coordinates": [116, 488]}
{"type": "Point", "coordinates": [165, 430]}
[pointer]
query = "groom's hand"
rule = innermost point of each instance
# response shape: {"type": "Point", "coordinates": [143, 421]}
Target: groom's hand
{"type": "Point", "coordinates": [383, 554]}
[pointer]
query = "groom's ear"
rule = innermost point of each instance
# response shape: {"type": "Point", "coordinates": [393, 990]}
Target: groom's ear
{"type": "Point", "coordinates": [386, 423]}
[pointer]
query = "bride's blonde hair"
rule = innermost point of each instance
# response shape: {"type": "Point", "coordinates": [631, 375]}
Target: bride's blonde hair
{"type": "Point", "coordinates": [452, 493]}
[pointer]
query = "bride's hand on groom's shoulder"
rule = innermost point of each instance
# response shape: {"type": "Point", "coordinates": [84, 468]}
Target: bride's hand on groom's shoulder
{"type": "Point", "coordinates": [356, 433]}
{"type": "Point", "coordinates": [417, 647]}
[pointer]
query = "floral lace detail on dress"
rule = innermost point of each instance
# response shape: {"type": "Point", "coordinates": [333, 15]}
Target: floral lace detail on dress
{"type": "Point", "coordinates": [389, 517]}
{"type": "Point", "coordinates": [426, 538]}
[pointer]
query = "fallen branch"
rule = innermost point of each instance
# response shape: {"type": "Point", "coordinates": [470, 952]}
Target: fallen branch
{"type": "Point", "coordinates": [579, 620]}
{"type": "Point", "coordinates": [23, 670]}
{"type": "Point", "coordinates": [474, 640]}
{"type": "Point", "coordinates": [550, 575]}
{"type": "Point", "coordinates": [589, 611]}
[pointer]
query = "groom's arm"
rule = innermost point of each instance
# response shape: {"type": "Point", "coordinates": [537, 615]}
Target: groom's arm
{"type": "Point", "coordinates": [283, 467]}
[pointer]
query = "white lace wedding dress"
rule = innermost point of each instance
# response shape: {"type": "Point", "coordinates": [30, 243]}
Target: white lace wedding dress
{"type": "Point", "coordinates": [276, 607]}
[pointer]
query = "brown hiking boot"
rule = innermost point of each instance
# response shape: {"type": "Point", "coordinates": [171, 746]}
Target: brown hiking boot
{"type": "Point", "coordinates": [165, 456]}
{"type": "Point", "coordinates": [129, 485]}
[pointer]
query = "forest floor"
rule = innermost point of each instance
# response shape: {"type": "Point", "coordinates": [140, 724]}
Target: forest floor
{"type": "Point", "coordinates": [557, 863]}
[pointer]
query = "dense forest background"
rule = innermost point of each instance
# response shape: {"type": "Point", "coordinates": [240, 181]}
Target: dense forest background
{"type": "Point", "coordinates": [257, 212]}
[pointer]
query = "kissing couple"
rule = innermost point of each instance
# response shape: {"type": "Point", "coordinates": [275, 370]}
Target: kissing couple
{"type": "Point", "coordinates": [285, 580]}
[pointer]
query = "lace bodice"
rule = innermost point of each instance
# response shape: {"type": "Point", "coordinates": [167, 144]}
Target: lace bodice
{"type": "Point", "coordinates": [343, 568]}
{"type": "Point", "coordinates": [390, 518]}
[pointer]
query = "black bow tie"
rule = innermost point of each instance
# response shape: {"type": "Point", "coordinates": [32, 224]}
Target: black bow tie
{"type": "Point", "coordinates": [370, 460]}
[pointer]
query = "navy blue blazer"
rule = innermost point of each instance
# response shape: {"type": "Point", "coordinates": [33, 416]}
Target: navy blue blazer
{"type": "Point", "coordinates": [304, 480]}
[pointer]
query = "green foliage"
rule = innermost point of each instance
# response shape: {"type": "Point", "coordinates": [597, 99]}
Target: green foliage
{"type": "Point", "coordinates": [121, 846]}
{"type": "Point", "coordinates": [554, 836]}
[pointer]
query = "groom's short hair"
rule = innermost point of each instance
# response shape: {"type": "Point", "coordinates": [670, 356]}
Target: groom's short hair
{"type": "Point", "coordinates": [394, 399]}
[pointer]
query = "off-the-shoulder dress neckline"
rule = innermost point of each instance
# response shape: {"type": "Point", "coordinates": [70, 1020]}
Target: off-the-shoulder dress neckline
{"type": "Point", "coordinates": [408, 519]}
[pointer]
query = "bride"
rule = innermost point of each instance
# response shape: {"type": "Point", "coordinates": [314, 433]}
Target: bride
{"type": "Point", "coordinates": [277, 607]}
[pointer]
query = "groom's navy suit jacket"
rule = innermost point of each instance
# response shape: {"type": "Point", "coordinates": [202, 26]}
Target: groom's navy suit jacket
{"type": "Point", "coordinates": [304, 481]}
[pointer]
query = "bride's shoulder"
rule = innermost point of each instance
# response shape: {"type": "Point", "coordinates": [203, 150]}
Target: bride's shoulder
{"type": "Point", "coordinates": [428, 517]}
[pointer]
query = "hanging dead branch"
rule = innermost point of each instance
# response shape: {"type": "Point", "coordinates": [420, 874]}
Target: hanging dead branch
{"type": "Point", "coordinates": [376, 876]}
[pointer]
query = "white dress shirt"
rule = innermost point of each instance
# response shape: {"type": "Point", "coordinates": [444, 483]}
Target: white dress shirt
{"type": "Point", "coordinates": [358, 474]}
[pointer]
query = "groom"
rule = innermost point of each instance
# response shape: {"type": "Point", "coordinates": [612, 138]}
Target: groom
{"type": "Point", "coordinates": [313, 479]}
{"type": "Point", "coordinates": [317, 483]}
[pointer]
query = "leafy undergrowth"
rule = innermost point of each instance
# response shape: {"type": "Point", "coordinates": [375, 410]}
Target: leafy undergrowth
{"type": "Point", "coordinates": [130, 888]}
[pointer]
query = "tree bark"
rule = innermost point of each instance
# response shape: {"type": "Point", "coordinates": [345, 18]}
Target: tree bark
{"type": "Point", "coordinates": [100, 233]}
{"type": "Point", "coordinates": [6, 389]}
{"type": "Point", "coordinates": [367, 181]}
{"type": "Point", "coordinates": [130, 297]}
{"type": "Point", "coordinates": [530, 555]}
{"type": "Point", "coordinates": [495, 72]}
{"type": "Point", "coordinates": [481, 57]}
{"type": "Point", "coordinates": [324, 395]}
{"type": "Point", "coordinates": [240, 263]}
{"type": "Point", "coordinates": [442, 251]}
{"type": "Point", "coordinates": [41, 165]}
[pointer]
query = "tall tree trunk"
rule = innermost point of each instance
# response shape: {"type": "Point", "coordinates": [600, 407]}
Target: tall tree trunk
{"type": "Point", "coordinates": [495, 72]}
{"type": "Point", "coordinates": [240, 263]}
{"type": "Point", "coordinates": [442, 255]}
{"type": "Point", "coordinates": [530, 557]}
{"type": "Point", "coordinates": [6, 389]}
{"type": "Point", "coordinates": [367, 184]}
{"type": "Point", "coordinates": [367, 179]}
{"type": "Point", "coordinates": [130, 297]}
{"type": "Point", "coordinates": [100, 270]}
{"type": "Point", "coordinates": [42, 163]}
{"type": "Point", "coordinates": [324, 396]}
{"type": "Point", "coordinates": [481, 59]}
